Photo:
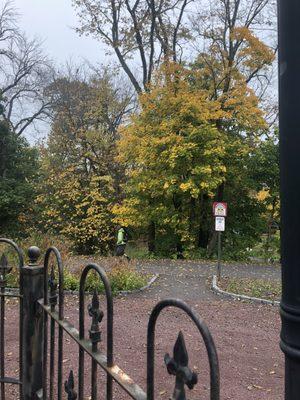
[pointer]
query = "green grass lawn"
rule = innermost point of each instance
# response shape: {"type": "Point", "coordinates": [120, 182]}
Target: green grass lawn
{"type": "Point", "coordinates": [260, 288]}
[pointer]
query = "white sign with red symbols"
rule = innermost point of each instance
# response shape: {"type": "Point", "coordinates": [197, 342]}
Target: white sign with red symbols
{"type": "Point", "coordinates": [220, 224]}
{"type": "Point", "coordinates": [220, 209]}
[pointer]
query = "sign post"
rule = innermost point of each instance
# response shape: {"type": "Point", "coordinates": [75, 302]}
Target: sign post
{"type": "Point", "coordinates": [219, 255]}
{"type": "Point", "coordinates": [219, 212]}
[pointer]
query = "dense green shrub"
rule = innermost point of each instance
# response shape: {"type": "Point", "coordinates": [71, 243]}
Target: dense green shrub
{"type": "Point", "coordinates": [18, 175]}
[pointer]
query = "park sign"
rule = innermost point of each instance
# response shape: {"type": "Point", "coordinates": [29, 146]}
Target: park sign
{"type": "Point", "coordinates": [220, 209]}
{"type": "Point", "coordinates": [219, 212]}
{"type": "Point", "coordinates": [220, 224]}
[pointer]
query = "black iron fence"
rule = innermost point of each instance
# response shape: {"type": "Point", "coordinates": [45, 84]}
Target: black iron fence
{"type": "Point", "coordinates": [42, 327]}
{"type": "Point", "coordinates": [5, 269]}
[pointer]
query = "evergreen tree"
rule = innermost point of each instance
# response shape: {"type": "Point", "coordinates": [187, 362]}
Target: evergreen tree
{"type": "Point", "coordinates": [18, 174]}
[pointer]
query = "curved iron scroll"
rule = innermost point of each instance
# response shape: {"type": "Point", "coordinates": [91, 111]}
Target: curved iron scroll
{"type": "Point", "coordinates": [49, 252]}
{"type": "Point", "coordinates": [53, 302]}
{"type": "Point", "coordinates": [208, 341]}
{"type": "Point", "coordinates": [16, 247]}
{"type": "Point", "coordinates": [2, 316]}
{"type": "Point", "coordinates": [94, 333]}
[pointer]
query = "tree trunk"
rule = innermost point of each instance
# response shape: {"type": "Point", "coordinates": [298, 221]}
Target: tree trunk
{"type": "Point", "coordinates": [192, 215]}
{"type": "Point", "coordinates": [203, 237]}
{"type": "Point", "coordinates": [204, 222]}
{"type": "Point", "coordinates": [179, 250]}
{"type": "Point", "coordinates": [270, 232]}
{"type": "Point", "coordinates": [151, 237]}
{"type": "Point", "coordinates": [212, 243]}
{"type": "Point", "coordinates": [178, 207]}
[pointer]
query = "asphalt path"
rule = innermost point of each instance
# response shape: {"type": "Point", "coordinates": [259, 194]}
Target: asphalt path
{"type": "Point", "coordinates": [190, 280]}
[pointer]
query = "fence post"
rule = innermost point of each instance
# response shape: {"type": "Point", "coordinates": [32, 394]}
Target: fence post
{"type": "Point", "coordinates": [33, 290]}
{"type": "Point", "coordinates": [289, 123]}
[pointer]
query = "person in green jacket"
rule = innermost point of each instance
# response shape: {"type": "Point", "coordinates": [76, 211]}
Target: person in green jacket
{"type": "Point", "coordinates": [121, 242]}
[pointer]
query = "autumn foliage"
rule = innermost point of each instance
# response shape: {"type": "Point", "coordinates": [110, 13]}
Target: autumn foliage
{"type": "Point", "coordinates": [154, 156]}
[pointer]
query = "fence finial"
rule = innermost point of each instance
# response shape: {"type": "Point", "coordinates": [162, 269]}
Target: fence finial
{"type": "Point", "coordinates": [69, 387]}
{"type": "Point", "coordinates": [97, 316]}
{"type": "Point", "coordinates": [178, 366]}
{"type": "Point", "coordinates": [33, 254]}
{"type": "Point", "coordinates": [4, 270]}
{"type": "Point", "coordinates": [53, 289]}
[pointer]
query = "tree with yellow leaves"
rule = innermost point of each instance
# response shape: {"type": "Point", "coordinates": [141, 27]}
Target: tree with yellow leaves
{"type": "Point", "coordinates": [79, 209]}
{"type": "Point", "coordinates": [179, 150]}
{"type": "Point", "coordinates": [234, 69]}
{"type": "Point", "coordinates": [81, 177]}
{"type": "Point", "coordinates": [173, 155]}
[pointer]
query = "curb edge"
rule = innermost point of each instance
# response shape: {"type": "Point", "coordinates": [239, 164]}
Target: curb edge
{"type": "Point", "coordinates": [215, 288]}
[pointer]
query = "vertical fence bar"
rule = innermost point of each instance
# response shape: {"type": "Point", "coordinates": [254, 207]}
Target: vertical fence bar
{"type": "Point", "coordinates": [60, 337]}
{"type": "Point", "coordinates": [45, 332]}
{"type": "Point", "coordinates": [4, 270]}
{"type": "Point", "coordinates": [94, 380]}
{"type": "Point", "coordinates": [59, 363]}
{"type": "Point", "coordinates": [32, 326]}
{"type": "Point", "coordinates": [52, 299]}
{"type": "Point", "coordinates": [81, 352]}
{"type": "Point", "coordinates": [45, 354]}
{"type": "Point", "coordinates": [80, 374]}
{"type": "Point", "coordinates": [109, 303]}
{"type": "Point", "coordinates": [95, 337]}
{"type": "Point", "coordinates": [289, 121]}
{"type": "Point", "coordinates": [21, 331]}
{"type": "Point", "coordinates": [53, 302]}
{"type": "Point", "coordinates": [52, 353]}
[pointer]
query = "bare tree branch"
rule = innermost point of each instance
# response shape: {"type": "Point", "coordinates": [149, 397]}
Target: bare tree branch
{"type": "Point", "coordinates": [227, 29]}
{"type": "Point", "coordinates": [136, 30]}
{"type": "Point", "coordinates": [24, 73]}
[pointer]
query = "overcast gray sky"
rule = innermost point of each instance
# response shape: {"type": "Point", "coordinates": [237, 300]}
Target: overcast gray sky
{"type": "Point", "coordinates": [52, 21]}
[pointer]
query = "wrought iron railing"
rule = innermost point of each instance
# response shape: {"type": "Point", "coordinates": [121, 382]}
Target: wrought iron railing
{"type": "Point", "coordinates": [5, 270]}
{"type": "Point", "coordinates": [43, 333]}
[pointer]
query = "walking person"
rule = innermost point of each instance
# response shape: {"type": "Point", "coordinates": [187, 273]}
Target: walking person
{"type": "Point", "coordinates": [122, 238]}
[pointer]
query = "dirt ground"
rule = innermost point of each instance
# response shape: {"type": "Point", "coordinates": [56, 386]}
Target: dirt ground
{"type": "Point", "coordinates": [246, 336]}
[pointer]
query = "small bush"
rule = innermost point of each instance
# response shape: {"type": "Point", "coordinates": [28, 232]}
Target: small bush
{"type": "Point", "coordinates": [45, 240]}
{"type": "Point", "coordinates": [71, 282]}
{"type": "Point", "coordinates": [93, 282]}
{"type": "Point", "coordinates": [126, 279]}
{"type": "Point", "coordinates": [267, 250]}
{"type": "Point", "coordinates": [42, 240]}
{"type": "Point", "coordinates": [121, 277]}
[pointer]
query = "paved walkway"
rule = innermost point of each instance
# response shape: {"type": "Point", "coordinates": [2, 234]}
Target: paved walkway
{"type": "Point", "coordinates": [190, 280]}
{"type": "Point", "coordinates": [185, 279]}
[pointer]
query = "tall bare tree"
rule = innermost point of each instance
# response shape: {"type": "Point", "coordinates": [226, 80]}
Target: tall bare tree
{"type": "Point", "coordinates": [236, 36]}
{"type": "Point", "coordinates": [24, 73]}
{"type": "Point", "coordinates": [87, 109]}
{"type": "Point", "coordinates": [143, 31]}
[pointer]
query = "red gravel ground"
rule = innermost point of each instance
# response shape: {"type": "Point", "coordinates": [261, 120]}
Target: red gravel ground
{"type": "Point", "coordinates": [246, 336]}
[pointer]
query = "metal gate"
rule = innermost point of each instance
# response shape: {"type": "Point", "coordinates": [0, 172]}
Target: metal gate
{"type": "Point", "coordinates": [41, 306]}
{"type": "Point", "coordinates": [5, 269]}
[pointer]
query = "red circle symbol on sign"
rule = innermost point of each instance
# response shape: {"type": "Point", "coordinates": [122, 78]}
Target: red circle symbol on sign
{"type": "Point", "coordinates": [220, 209]}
